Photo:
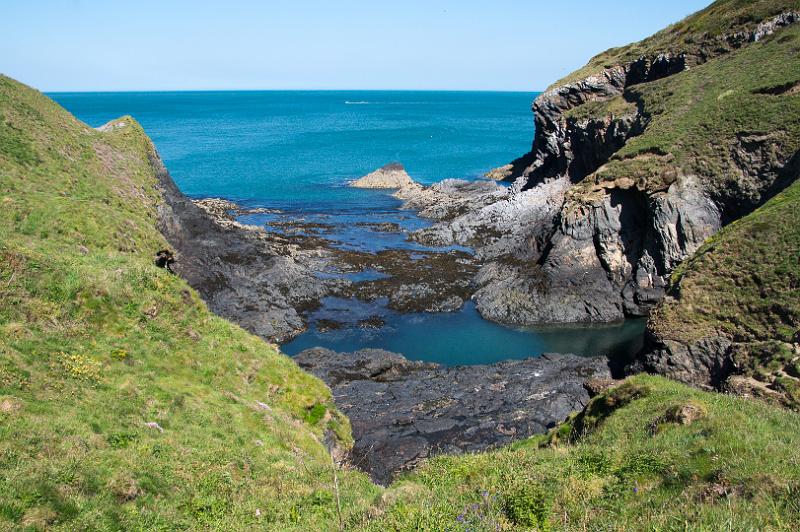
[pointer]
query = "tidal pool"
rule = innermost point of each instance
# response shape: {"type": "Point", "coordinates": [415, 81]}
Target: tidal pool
{"type": "Point", "coordinates": [462, 337]}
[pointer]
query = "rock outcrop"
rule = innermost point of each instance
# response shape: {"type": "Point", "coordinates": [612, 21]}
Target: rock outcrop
{"type": "Point", "coordinates": [403, 411]}
{"type": "Point", "coordinates": [625, 179]}
{"type": "Point", "coordinates": [391, 176]}
{"type": "Point", "coordinates": [269, 282]}
{"type": "Point", "coordinates": [253, 278]}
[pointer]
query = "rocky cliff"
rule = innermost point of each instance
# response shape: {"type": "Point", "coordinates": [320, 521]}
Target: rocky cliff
{"type": "Point", "coordinates": [731, 318]}
{"type": "Point", "coordinates": [638, 158]}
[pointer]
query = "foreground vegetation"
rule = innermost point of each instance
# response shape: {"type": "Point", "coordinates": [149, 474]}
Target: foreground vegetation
{"type": "Point", "coordinates": [124, 403]}
{"type": "Point", "coordinates": [650, 454]}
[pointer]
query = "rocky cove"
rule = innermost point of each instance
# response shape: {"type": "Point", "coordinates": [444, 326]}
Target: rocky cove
{"type": "Point", "coordinates": [586, 228]}
{"type": "Point", "coordinates": [284, 332]}
{"type": "Point", "coordinates": [288, 273]}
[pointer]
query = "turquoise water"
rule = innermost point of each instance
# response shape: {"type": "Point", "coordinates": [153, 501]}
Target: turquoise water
{"type": "Point", "coordinates": [453, 338]}
{"type": "Point", "coordinates": [294, 151]}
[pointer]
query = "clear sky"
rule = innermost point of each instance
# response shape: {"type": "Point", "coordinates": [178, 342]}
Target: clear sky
{"type": "Point", "coordinates": [316, 44]}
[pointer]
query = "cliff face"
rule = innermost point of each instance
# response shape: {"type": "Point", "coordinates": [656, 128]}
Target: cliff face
{"type": "Point", "coordinates": [637, 159]}
{"type": "Point", "coordinates": [634, 214]}
{"type": "Point", "coordinates": [731, 318]}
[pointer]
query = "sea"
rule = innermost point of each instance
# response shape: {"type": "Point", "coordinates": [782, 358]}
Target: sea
{"type": "Point", "coordinates": [293, 152]}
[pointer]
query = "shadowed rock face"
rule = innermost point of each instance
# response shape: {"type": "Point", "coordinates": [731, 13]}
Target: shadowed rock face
{"type": "Point", "coordinates": [253, 278]}
{"type": "Point", "coordinates": [403, 411]}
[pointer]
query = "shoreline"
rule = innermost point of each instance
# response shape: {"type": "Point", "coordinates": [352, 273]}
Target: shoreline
{"type": "Point", "coordinates": [236, 266]}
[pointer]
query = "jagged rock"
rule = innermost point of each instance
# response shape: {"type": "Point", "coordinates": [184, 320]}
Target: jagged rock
{"type": "Point", "coordinates": [392, 175]}
{"type": "Point", "coordinates": [403, 411]}
{"type": "Point", "coordinates": [243, 273]}
{"type": "Point", "coordinates": [564, 244]}
{"type": "Point", "coordinates": [705, 363]}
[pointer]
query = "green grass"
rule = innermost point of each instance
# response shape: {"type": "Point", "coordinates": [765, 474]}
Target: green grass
{"type": "Point", "coordinates": [599, 110]}
{"type": "Point", "coordinates": [722, 17]}
{"type": "Point", "coordinates": [698, 116]}
{"type": "Point", "coordinates": [96, 342]}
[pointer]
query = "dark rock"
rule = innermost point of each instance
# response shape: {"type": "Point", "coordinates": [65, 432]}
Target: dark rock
{"type": "Point", "coordinates": [705, 363]}
{"type": "Point", "coordinates": [403, 411]}
{"type": "Point", "coordinates": [164, 259]}
{"type": "Point", "coordinates": [415, 281]}
{"type": "Point", "coordinates": [267, 282]}
{"type": "Point", "coordinates": [372, 322]}
{"type": "Point", "coordinates": [325, 325]}
{"type": "Point", "coordinates": [381, 227]}
{"type": "Point", "coordinates": [257, 279]}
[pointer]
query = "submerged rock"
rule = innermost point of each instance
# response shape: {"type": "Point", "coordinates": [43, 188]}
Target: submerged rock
{"type": "Point", "coordinates": [391, 176]}
{"type": "Point", "coordinates": [403, 411]}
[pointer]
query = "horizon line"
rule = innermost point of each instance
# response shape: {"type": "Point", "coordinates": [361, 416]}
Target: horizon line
{"type": "Point", "coordinates": [95, 91]}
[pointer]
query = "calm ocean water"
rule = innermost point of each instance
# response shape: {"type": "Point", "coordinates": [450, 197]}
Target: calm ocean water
{"type": "Point", "coordinates": [295, 150]}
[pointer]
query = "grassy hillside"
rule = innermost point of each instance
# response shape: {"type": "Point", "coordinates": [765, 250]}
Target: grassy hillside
{"type": "Point", "coordinates": [711, 121]}
{"type": "Point", "coordinates": [648, 455]}
{"type": "Point", "coordinates": [125, 404]}
{"type": "Point", "coordinates": [691, 35]}
{"type": "Point", "coordinates": [97, 346]}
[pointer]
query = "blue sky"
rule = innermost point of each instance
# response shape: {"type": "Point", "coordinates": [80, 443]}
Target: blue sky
{"type": "Point", "coordinates": [316, 44]}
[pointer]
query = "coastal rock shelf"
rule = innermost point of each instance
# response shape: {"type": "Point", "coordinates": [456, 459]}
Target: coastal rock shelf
{"type": "Point", "coordinates": [403, 411]}
{"type": "Point", "coordinates": [268, 280]}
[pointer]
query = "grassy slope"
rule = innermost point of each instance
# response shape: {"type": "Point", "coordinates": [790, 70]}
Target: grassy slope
{"type": "Point", "coordinates": [723, 17]}
{"type": "Point", "coordinates": [95, 342]}
{"type": "Point", "coordinates": [635, 466]}
{"type": "Point", "coordinates": [697, 115]}
{"type": "Point", "coordinates": [744, 284]}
